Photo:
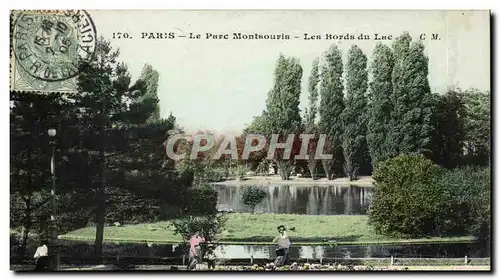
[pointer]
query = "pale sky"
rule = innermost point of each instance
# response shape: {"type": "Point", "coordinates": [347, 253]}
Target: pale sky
{"type": "Point", "coordinates": [219, 85]}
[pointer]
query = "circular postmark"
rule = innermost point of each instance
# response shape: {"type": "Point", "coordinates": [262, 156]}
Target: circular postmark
{"type": "Point", "coordinates": [48, 45]}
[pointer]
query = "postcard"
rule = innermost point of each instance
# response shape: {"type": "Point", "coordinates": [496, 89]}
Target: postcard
{"type": "Point", "coordinates": [250, 140]}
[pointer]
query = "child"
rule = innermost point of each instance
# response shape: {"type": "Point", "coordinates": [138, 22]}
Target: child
{"type": "Point", "coordinates": [194, 250]}
{"type": "Point", "coordinates": [211, 256]}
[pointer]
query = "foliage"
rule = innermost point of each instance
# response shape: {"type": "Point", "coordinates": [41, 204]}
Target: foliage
{"type": "Point", "coordinates": [414, 197]}
{"type": "Point", "coordinates": [31, 116]}
{"type": "Point", "coordinates": [311, 126]}
{"type": "Point", "coordinates": [331, 108]}
{"type": "Point", "coordinates": [354, 114]}
{"type": "Point", "coordinates": [241, 172]}
{"type": "Point", "coordinates": [252, 196]}
{"type": "Point", "coordinates": [202, 200]}
{"type": "Point", "coordinates": [379, 102]}
{"type": "Point", "coordinates": [466, 203]}
{"type": "Point", "coordinates": [208, 226]}
{"type": "Point", "coordinates": [282, 106]}
{"type": "Point", "coordinates": [449, 126]}
{"type": "Point", "coordinates": [477, 126]}
{"type": "Point", "coordinates": [410, 126]}
{"type": "Point", "coordinates": [406, 197]}
{"type": "Point", "coordinates": [263, 167]}
{"type": "Point", "coordinates": [150, 77]}
{"type": "Point", "coordinates": [215, 174]}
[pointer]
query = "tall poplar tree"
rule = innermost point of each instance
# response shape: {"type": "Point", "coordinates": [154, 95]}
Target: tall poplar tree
{"type": "Point", "coordinates": [411, 119]}
{"type": "Point", "coordinates": [354, 114]}
{"type": "Point", "coordinates": [311, 126]}
{"type": "Point", "coordinates": [380, 106]}
{"type": "Point", "coordinates": [330, 110]}
{"type": "Point", "coordinates": [282, 106]}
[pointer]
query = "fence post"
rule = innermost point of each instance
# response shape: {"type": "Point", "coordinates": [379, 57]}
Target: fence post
{"type": "Point", "coordinates": [183, 259]}
{"type": "Point", "coordinates": [466, 259]}
{"type": "Point", "coordinates": [321, 260]}
{"type": "Point", "coordinates": [251, 259]}
{"type": "Point", "coordinates": [392, 260]}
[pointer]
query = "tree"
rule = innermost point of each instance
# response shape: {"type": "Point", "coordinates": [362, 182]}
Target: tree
{"type": "Point", "coordinates": [477, 126]}
{"type": "Point", "coordinates": [411, 128]}
{"type": "Point", "coordinates": [379, 103]}
{"type": "Point", "coordinates": [252, 196]}
{"type": "Point", "coordinates": [311, 126]}
{"type": "Point", "coordinates": [331, 108]}
{"type": "Point", "coordinates": [31, 115]}
{"type": "Point", "coordinates": [150, 78]}
{"type": "Point", "coordinates": [282, 106]}
{"type": "Point", "coordinates": [354, 114]}
{"type": "Point", "coordinates": [208, 226]}
{"type": "Point", "coordinates": [107, 102]}
{"type": "Point", "coordinates": [466, 202]}
{"type": "Point", "coordinates": [406, 196]}
{"type": "Point", "coordinates": [448, 121]}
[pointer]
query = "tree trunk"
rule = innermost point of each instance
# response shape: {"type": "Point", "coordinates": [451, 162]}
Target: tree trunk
{"type": "Point", "coordinates": [285, 168]}
{"type": "Point", "coordinates": [101, 192]}
{"type": "Point", "coordinates": [311, 164]}
{"type": "Point", "coordinates": [328, 167]}
{"type": "Point", "coordinates": [100, 210]}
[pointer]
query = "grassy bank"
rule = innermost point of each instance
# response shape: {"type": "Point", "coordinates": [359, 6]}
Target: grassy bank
{"type": "Point", "coordinates": [260, 229]}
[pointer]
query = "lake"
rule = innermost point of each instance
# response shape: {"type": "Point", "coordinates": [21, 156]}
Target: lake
{"type": "Point", "coordinates": [308, 200]}
{"type": "Point", "coordinates": [80, 249]}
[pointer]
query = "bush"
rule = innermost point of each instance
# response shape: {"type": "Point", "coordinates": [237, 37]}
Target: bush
{"type": "Point", "coordinates": [466, 203]}
{"type": "Point", "coordinates": [406, 196]}
{"type": "Point", "coordinates": [209, 226]}
{"type": "Point", "coordinates": [215, 175]}
{"type": "Point", "coordinates": [413, 198]}
{"type": "Point", "coordinates": [252, 196]}
{"type": "Point", "coordinates": [241, 171]}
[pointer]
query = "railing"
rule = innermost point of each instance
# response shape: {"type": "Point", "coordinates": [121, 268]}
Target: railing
{"type": "Point", "coordinates": [131, 261]}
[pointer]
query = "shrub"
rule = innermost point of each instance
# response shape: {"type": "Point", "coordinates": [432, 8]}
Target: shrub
{"type": "Point", "coordinates": [209, 226]}
{"type": "Point", "coordinates": [241, 171]}
{"type": "Point", "coordinates": [466, 203]}
{"type": "Point", "coordinates": [215, 174]}
{"type": "Point", "coordinates": [406, 197]}
{"type": "Point", "coordinates": [252, 196]}
{"type": "Point", "coordinates": [414, 198]}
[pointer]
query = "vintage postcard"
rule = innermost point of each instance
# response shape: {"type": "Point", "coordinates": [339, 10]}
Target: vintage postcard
{"type": "Point", "coordinates": [250, 140]}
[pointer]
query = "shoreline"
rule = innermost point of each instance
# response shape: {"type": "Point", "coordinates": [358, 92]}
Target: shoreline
{"type": "Point", "coordinates": [363, 181]}
{"type": "Point", "coordinates": [259, 243]}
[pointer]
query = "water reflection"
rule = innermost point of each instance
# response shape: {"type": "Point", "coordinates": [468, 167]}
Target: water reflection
{"type": "Point", "coordinates": [458, 250]}
{"type": "Point", "coordinates": [309, 200]}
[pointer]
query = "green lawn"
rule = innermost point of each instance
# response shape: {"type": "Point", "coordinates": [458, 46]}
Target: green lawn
{"type": "Point", "coordinates": [261, 228]}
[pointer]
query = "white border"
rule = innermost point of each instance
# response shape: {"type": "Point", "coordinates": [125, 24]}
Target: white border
{"type": "Point", "coordinates": [205, 4]}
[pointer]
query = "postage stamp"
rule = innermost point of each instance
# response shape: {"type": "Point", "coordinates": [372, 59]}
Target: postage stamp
{"type": "Point", "coordinates": [47, 47]}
